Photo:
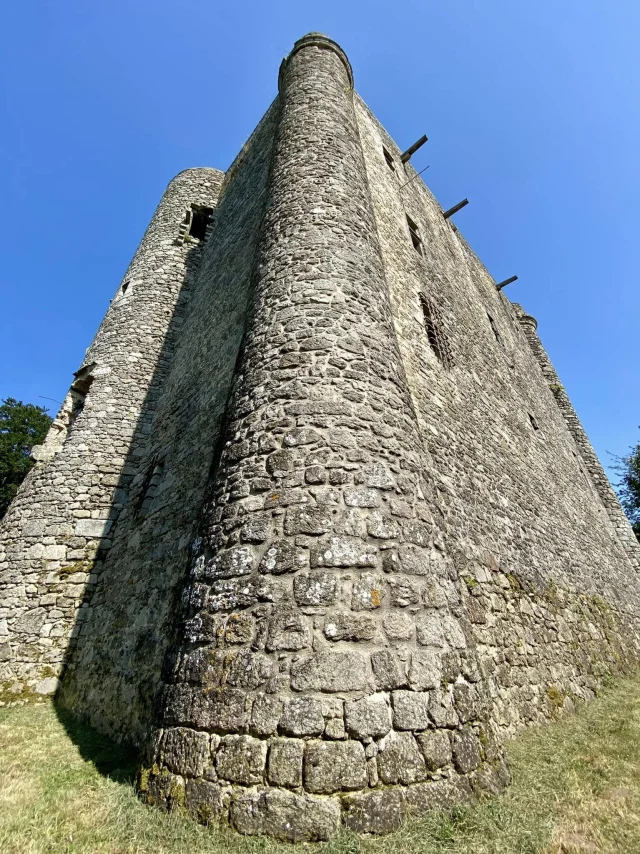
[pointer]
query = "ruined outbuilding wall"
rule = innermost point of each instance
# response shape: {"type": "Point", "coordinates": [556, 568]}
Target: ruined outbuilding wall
{"type": "Point", "coordinates": [55, 537]}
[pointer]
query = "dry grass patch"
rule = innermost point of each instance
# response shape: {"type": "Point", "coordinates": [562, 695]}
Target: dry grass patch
{"type": "Point", "coordinates": [66, 790]}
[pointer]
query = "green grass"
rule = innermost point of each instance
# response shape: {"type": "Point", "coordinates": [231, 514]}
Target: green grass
{"type": "Point", "coordinates": [576, 790]}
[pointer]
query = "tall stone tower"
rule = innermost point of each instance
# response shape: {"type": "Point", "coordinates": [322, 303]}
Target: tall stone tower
{"type": "Point", "coordinates": [317, 523]}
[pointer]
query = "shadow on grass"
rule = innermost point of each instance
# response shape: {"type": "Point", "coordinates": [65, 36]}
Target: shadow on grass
{"type": "Point", "coordinates": [118, 762]}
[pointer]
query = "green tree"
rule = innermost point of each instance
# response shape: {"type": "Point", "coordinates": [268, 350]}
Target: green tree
{"type": "Point", "coordinates": [22, 425]}
{"type": "Point", "coordinates": [628, 485]}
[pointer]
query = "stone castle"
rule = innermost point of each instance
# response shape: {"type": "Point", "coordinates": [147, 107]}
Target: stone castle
{"type": "Point", "coordinates": [316, 524]}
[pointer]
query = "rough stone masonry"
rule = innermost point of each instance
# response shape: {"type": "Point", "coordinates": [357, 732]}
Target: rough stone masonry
{"type": "Point", "coordinates": [316, 524]}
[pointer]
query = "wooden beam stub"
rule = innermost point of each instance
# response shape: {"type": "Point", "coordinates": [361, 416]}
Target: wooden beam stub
{"type": "Point", "coordinates": [455, 208]}
{"type": "Point", "coordinates": [506, 282]}
{"type": "Point", "coordinates": [406, 155]}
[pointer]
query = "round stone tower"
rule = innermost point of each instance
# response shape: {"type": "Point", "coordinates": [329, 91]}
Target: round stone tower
{"type": "Point", "coordinates": [322, 675]}
{"type": "Point", "coordinates": [61, 524]}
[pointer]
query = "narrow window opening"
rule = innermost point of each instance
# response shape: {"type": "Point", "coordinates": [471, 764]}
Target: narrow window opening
{"type": "Point", "coordinates": [494, 329]}
{"type": "Point", "coordinates": [151, 487]}
{"type": "Point", "coordinates": [533, 421]}
{"type": "Point", "coordinates": [435, 331]}
{"type": "Point", "coordinates": [416, 240]}
{"type": "Point", "coordinates": [200, 217]}
{"type": "Point", "coordinates": [389, 159]}
{"type": "Point", "coordinates": [124, 288]}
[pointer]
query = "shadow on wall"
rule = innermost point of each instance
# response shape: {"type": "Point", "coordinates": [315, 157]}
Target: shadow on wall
{"type": "Point", "coordinates": [117, 761]}
{"type": "Point", "coordinates": [113, 665]}
{"type": "Point", "coordinates": [115, 630]}
{"type": "Point", "coordinates": [114, 659]}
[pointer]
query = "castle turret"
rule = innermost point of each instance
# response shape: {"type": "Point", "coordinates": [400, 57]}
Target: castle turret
{"type": "Point", "coordinates": [297, 649]}
{"type": "Point", "coordinates": [61, 524]}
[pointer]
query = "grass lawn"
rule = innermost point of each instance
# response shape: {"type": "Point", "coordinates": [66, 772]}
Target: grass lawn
{"type": "Point", "coordinates": [576, 790]}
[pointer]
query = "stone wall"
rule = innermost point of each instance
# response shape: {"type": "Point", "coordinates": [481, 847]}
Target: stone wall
{"type": "Point", "coordinates": [55, 537]}
{"type": "Point", "coordinates": [403, 559]}
{"type": "Point", "coordinates": [584, 455]}
{"type": "Point", "coordinates": [319, 609]}
{"type": "Point", "coordinates": [115, 667]}
{"type": "Point", "coordinates": [359, 538]}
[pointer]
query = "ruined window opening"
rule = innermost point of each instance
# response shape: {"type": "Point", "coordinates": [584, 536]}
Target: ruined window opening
{"type": "Point", "coordinates": [80, 388]}
{"type": "Point", "coordinates": [434, 328]}
{"type": "Point", "coordinates": [389, 159]}
{"type": "Point", "coordinates": [75, 400]}
{"type": "Point", "coordinates": [124, 288]}
{"type": "Point", "coordinates": [533, 421]}
{"type": "Point", "coordinates": [200, 217]}
{"type": "Point", "coordinates": [416, 240]}
{"type": "Point", "coordinates": [494, 329]}
{"type": "Point", "coordinates": [150, 487]}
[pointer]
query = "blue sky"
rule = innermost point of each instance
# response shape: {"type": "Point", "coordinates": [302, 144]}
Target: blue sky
{"type": "Point", "coordinates": [531, 111]}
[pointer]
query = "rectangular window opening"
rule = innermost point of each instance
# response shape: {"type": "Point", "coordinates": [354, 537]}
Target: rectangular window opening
{"type": "Point", "coordinates": [494, 329]}
{"type": "Point", "coordinates": [389, 159]}
{"type": "Point", "coordinates": [533, 421]}
{"type": "Point", "coordinates": [200, 217]}
{"type": "Point", "coordinates": [435, 331]}
{"type": "Point", "coordinates": [416, 240]}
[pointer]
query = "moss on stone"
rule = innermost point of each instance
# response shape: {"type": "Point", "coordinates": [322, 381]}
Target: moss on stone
{"type": "Point", "coordinates": [552, 595]}
{"type": "Point", "coordinates": [556, 697]}
{"type": "Point", "coordinates": [142, 783]}
{"type": "Point", "coordinates": [9, 696]}
{"type": "Point", "coordinates": [204, 814]}
{"type": "Point", "coordinates": [175, 794]}
{"type": "Point", "coordinates": [557, 389]}
{"type": "Point", "coordinates": [78, 566]}
{"type": "Point", "coordinates": [514, 581]}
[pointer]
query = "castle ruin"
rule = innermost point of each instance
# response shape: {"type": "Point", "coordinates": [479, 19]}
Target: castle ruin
{"type": "Point", "coordinates": [316, 524]}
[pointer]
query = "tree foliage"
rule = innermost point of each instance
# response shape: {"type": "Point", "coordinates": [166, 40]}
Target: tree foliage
{"type": "Point", "coordinates": [628, 468]}
{"type": "Point", "coordinates": [22, 425]}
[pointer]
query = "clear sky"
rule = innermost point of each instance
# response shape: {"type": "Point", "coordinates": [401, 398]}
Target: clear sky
{"type": "Point", "coordinates": [531, 109]}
